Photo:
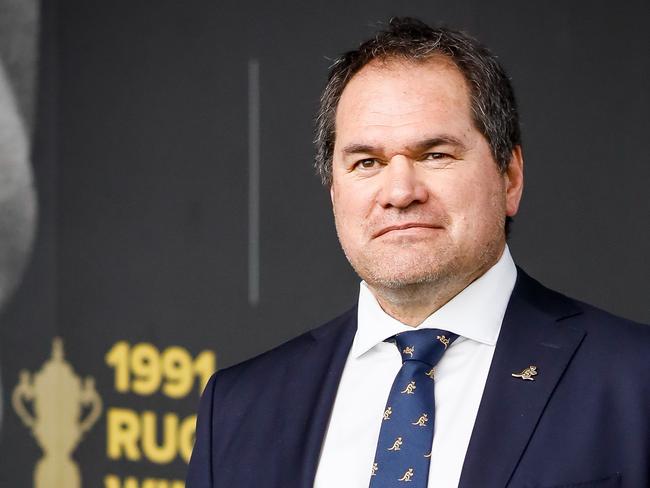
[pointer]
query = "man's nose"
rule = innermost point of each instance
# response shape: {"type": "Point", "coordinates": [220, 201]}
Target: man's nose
{"type": "Point", "coordinates": [402, 184]}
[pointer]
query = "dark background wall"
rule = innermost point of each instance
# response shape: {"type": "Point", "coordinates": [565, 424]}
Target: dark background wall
{"type": "Point", "coordinates": [143, 153]}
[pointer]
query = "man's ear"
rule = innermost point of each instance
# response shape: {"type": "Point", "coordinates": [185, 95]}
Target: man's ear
{"type": "Point", "coordinates": [514, 181]}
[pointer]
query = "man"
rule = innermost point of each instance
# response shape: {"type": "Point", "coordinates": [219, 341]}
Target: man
{"type": "Point", "coordinates": [419, 143]}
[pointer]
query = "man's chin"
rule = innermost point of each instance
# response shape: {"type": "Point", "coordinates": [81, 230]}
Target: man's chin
{"type": "Point", "coordinates": [401, 282]}
{"type": "Point", "coordinates": [405, 276]}
{"type": "Point", "coordinates": [405, 267]}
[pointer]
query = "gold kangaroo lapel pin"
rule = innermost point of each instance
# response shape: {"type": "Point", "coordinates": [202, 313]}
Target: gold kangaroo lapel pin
{"type": "Point", "coordinates": [527, 374]}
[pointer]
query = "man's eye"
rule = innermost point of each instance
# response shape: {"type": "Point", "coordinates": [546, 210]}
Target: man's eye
{"type": "Point", "coordinates": [367, 164]}
{"type": "Point", "coordinates": [437, 160]}
{"type": "Point", "coordinates": [436, 155]}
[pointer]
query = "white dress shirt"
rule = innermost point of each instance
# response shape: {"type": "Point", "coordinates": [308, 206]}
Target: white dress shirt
{"type": "Point", "coordinates": [475, 315]}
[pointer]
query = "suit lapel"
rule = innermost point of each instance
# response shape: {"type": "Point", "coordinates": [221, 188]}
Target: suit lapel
{"type": "Point", "coordinates": [532, 333]}
{"type": "Point", "coordinates": [327, 354]}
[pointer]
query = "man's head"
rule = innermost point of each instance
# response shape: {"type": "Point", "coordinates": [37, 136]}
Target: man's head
{"type": "Point", "coordinates": [421, 176]}
{"type": "Point", "coordinates": [493, 105]}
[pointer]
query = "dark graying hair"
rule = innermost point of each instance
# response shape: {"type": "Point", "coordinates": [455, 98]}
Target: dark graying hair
{"type": "Point", "coordinates": [493, 104]}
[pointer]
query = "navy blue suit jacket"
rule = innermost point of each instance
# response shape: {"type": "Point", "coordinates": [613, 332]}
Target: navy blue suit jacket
{"type": "Point", "coordinates": [583, 422]}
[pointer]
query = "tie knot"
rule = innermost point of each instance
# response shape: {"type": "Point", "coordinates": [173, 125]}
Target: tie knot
{"type": "Point", "coordinates": [426, 345]}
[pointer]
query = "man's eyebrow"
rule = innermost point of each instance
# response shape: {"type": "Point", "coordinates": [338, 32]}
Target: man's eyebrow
{"type": "Point", "coordinates": [442, 140]}
{"type": "Point", "coordinates": [355, 148]}
{"type": "Point", "coordinates": [419, 146]}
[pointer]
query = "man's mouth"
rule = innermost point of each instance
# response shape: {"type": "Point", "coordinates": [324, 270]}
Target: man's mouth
{"type": "Point", "coordinates": [405, 226]}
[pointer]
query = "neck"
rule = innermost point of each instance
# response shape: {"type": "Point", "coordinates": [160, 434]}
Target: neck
{"type": "Point", "coordinates": [412, 303]}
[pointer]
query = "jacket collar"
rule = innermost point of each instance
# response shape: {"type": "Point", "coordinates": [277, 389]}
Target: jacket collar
{"type": "Point", "coordinates": [328, 353]}
{"type": "Point", "coordinates": [533, 333]}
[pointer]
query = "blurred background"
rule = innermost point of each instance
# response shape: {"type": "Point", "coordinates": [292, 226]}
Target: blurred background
{"type": "Point", "coordinates": [160, 217]}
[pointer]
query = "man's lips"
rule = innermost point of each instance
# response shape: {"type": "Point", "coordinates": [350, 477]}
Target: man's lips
{"type": "Point", "coordinates": [409, 225]}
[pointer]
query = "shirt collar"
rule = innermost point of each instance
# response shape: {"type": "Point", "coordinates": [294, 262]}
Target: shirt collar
{"type": "Point", "coordinates": [475, 313]}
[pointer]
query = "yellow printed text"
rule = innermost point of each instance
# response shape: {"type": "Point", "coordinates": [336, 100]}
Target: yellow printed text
{"type": "Point", "coordinates": [112, 481]}
{"type": "Point", "coordinates": [160, 439]}
{"type": "Point", "coordinates": [143, 369]}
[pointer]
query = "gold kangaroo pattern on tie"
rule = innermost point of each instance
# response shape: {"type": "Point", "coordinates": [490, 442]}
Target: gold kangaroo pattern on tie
{"type": "Point", "coordinates": [410, 388]}
{"type": "Point", "coordinates": [422, 421]}
{"type": "Point", "coordinates": [396, 445]}
{"type": "Point", "coordinates": [407, 476]}
{"type": "Point", "coordinates": [404, 445]}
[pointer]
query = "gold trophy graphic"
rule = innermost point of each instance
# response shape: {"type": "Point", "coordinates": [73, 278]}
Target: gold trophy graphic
{"type": "Point", "coordinates": [57, 418]}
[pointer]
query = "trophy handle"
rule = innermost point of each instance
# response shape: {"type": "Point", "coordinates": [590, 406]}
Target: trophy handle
{"type": "Point", "coordinates": [23, 391]}
{"type": "Point", "coordinates": [90, 397]}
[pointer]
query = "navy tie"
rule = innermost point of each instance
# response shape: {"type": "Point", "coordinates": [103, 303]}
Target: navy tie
{"type": "Point", "coordinates": [404, 446]}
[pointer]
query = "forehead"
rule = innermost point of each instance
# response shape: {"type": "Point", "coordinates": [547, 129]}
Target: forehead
{"type": "Point", "coordinates": [397, 93]}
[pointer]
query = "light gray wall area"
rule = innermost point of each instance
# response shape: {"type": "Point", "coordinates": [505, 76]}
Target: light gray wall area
{"type": "Point", "coordinates": [18, 67]}
{"type": "Point", "coordinates": [19, 52]}
{"type": "Point", "coordinates": [17, 199]}
{"type": "Point", "coordinates": [18, 60]}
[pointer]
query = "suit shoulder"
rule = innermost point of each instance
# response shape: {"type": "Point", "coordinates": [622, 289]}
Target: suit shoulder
{"type": "Point", "coordinates": [611, 335]}
{"type": "Point", "coordinates": [565, 307]}
{"type": "Point", "coordinates": [616, 333]}
{"type": "Point", "coordinates": [286, 353]}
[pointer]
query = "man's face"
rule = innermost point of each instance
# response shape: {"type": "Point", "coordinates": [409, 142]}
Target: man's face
{"type": "Point", "coordinates": [417, 195]}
